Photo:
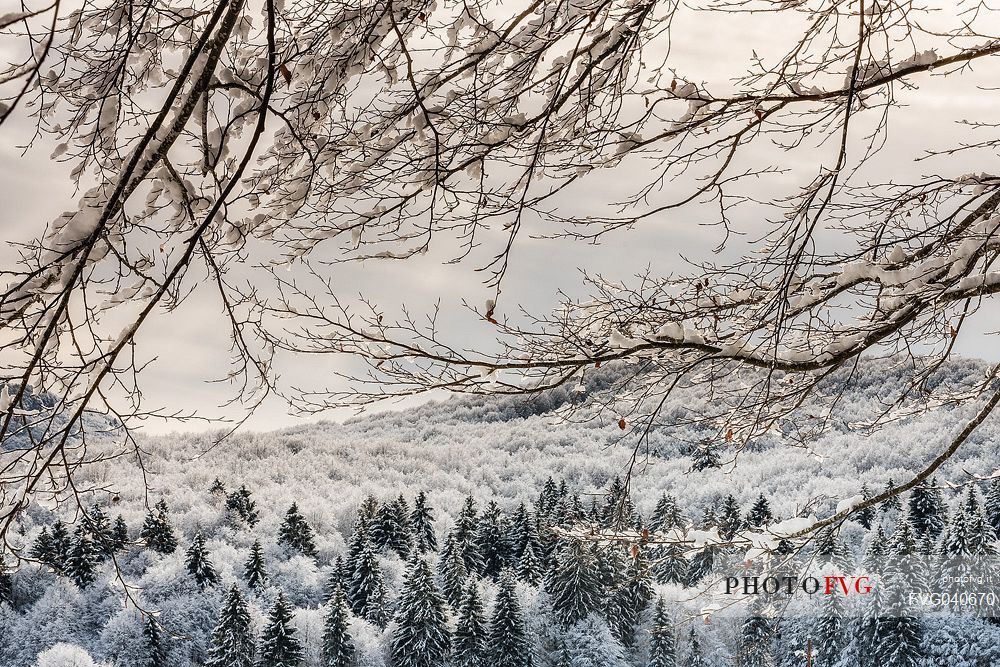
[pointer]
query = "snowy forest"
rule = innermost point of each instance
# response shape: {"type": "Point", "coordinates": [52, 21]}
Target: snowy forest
{"type": "Point", "coordinates": [412, 539]}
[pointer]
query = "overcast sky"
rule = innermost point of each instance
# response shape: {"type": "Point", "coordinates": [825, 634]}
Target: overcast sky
{"type": "Point", "coordinates": [192, 346]}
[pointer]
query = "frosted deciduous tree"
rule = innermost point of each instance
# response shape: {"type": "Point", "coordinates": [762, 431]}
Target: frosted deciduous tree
{"type": "Point", "coordinates": [212, 149]}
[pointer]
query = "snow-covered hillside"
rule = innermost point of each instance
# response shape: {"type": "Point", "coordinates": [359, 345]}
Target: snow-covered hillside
{"type": "Point", "coordinates": [490, 453]}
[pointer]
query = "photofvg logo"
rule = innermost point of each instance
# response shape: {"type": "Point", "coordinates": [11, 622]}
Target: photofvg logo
{"type": "Point", "coordinates": [824, 585]}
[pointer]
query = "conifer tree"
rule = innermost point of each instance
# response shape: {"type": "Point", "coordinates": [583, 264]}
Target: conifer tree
{"type": "Point", "coordinates": [630, 599]}
{"type": "Point", "coordinates": [368, 509]}
{"type": "Point", "coordinates": [470, 646]}
{"type": "Point", "coordinates": [573, 583]}
{"type": "Point", "coordinates": [926, 512]}
{"type": "Point", "coordinates": [874, 557]}
{"type": "Point", "coordinates": [666, 514]}
{"type": "Point", "coordinates": [97, 524]}
{"type": "Point", "coordinates": [366, 590]}
{"type": "Point", "coordinates": [760, 514]}
{"type": "Point", "coordinates": [198, 564]}
{"type": "Point", "coordinates": [618, 511]}
{"type": "Point", "coordinates": [829, 549]}
{"type": "Point", "coordinates": [754, 644]}
{"type": "Point", "coordinates": [421, 637]}
{"type": "Point", "coordinates": [157, 532]}
{"type": "Point", "coordinates": [279, 646]}
{"type": "Point", "coordinates": [451, 572]}
{"type": "Point", "coordinates": [119, 534]}
{"type": "Point", "coordinates": [43, 551]}
{"type": "Point", "coordinates": [705, 457]}
{"type": "Point", "coordinates": [155, 647]}
{"type": "Point", "coordinates": [892, 503]}
{"type": "Point", "coordinates": [338, 578]}
{"type": "Point", "coordinates": [355, 547]}
{"type": "Point", "coordinates": [253, 570]}
{"type": "Point", "coordinates": [232, 642]}
{"type": "Point", "coordinates": [662, 645]}
{"type": "Point", "coordinates": [81, 564]}
{"type": "Point", "coordinates": [491, 540]}
{"type": "Point", "coordinates": [991, 507]}
{"type": "Point", "coordinates": [390, 530]}
{"type": "Point", "coordinates": [866, 515]}
{"type": "Point", "coordinates": [547, 498]}
{"type": "Point", "coordinates": [830, 630]}
{"type": "Point", "coordinates": [296, 534]}
{"type": "Point", "coordinates": [422, 525]}
{"type": "Point", "coordinates": [701, 565]}
{"type": "Point", "coordinates": [524, 545]}
{"type": "Point", "coordinates": [529, 567]}
{"type": "Point", "coordinates": [729, 519]}
{"type": "Point", "coordinates": [240, 503]}
{"type": "Point", "coordinates": [61, 546]}
{"type": "Point", "coordinates": [6, 585]}
{"type": "Point", "coordinates": [217, 488]}
{"type": "Point", "coordinates": [464, 533]}
{"type": "Point", "coordinates": [338, 647]}
{"type": "Point", "coordinates": [695, 657]}
{"type": "Point", "coordinates": [508, 642]}
{"type": "Point", "coordinates": [670, 565]}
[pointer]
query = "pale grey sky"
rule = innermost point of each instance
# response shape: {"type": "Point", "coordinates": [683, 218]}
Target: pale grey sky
{"type": "Point", "coordinates": [192, 346]}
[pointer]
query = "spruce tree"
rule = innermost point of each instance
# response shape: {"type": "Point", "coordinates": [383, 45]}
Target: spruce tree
{"type": "Point", "coordinates": [830, 630]}
{"type": "Point", "coordinates": [420, 638]}
{"type": "Point", "coordinates": [253, 569]}
{"type": "Point", "coordinates": [630, 599]}
{"type": "Point", "coordinates": [508, 641]}
{"type": "Point", "coordinates": [491, 540]}
{"type": "Point", "coordinates": [61, 546]}
{"type": "Point", "coordinates": [296, 534]}
{"type": "Point", "coordinates": [338, 647]}
{"type": "Point", "coordinates": [81, 564]}
{"type": "Point", "coordinates": [573, 584]}
{"type": "Point", "coordinates": [422, 525]}
{"type": "Point", "coordinates": [547, 498]}
{"type": "Point", "coordinates": [242, 505]}
{"type": "Point", "coordinates": [366, 590]}
{"type": "Point", "coordinates": [892, 503]}
{"type": "Point", "coordinates": [470, 646]}
{"type": "Point", "coordinates": [866, 515]}
{"type": "Point", "coordinates": [926, 513]}
{"type": "Point", "coordinates": [154, 645]}
{"type": "Point", "coordinates": [991, 507]}
{"type": "Point", "coordinates": [217, 488]}
{"type": "Point", "coordinates": [754, 644]}
{"type": "Point", "coordinates": [119, 534]}
{"type": "Point", "coordinates": [665, 515]}
{"type": "Point", "coordinates": [43, 551]}
{"type": "Point", "coordinates": [670, 565]}
{"type": "Point", "coordinates": [157, 532]}
{"type": "Point", "coordinates": [618, 512]}
{"type": "Point", "coordinates": [705, 457]}
{"type": "Point", "coordinates": [729, 519]}
{"type": "Point", "coordinates": [279, 647]}
{"type": "Point", "coordinates": [464, 534]}
{"type": "Point", "coordinates": [6, 584]}
{"type": "Point", "coordinates": [760, 514]}
{"type": "Point", "coordinates": [529, 567]}
{"type": "Point", "coordinates": [662, 645]}
{"type": "Point", "coordinates": [451, 572]}
{"type": "Point", "coordinates": [701, 565]}
{"type": "Point", "coordinates": [338, 578]}
{"type": "Point", "coordinates": [198, 564]}
{"type": "Point", "coordinates": [99, 527]}
{"type": "Point", "coordinates": [829, 549]}
{"type": "Point", "coordinates": [232, 642]}
{"type": "Point", "coordinates": [695, 657]}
